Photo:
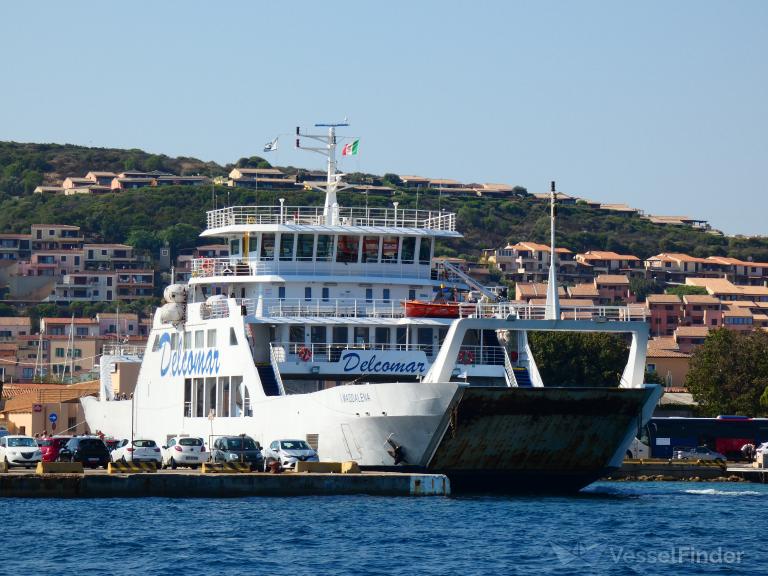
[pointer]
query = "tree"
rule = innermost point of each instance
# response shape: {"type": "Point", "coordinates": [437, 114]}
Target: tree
{"type": "Point", "coordinates": [729, 373]}
{"type": "Point", "coordinates": [685, 290]}
{"type": "Point", "coordinates": [579, 359]}
{"type": "Point", "coordinates": [180, 237]}
{"type": "Point", "coordinates": [641, 288]}
{"type": "Point", "coordinates": [144, 240]}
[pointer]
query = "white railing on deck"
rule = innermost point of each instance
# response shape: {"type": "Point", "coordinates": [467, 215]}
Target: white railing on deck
{"type": "Point", "coordinates": [210, 267]}
{"type": "Point", "coordinates": [361, 308]}
{"type": "Point", "coordinates": [122, 350]}
{"type": "Point", "coordinates": [313, 216]}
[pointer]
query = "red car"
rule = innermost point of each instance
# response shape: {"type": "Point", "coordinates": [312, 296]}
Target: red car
{"type": "Point", "coordinates": [51, 445]}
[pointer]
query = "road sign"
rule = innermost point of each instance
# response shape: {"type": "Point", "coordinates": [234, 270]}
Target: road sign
{"type": "Point", "coordinates": [53, 417]}
{"type": "Point", "coordinates": [37, 407]}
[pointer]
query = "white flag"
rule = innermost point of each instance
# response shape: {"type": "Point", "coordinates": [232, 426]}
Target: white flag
{"type": "Point", "coordinates": [271, 146]}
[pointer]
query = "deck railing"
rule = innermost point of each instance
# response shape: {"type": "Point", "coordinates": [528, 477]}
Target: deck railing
{"type": "Point", "coordinates": [362, 308]}
{"type": "Point", "coordinates": [351, 216]}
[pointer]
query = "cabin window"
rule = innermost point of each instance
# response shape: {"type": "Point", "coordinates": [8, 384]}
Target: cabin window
{"type": "Point", "coordinates": [369, 295]}
{"type": "Point", "coordinates": [237, 396]}
{"type": "Point", "coordinates": [212, 338]}
{"type": "Point", "coordinates": [223, 397]}
{"type": "Point", "coordinates": [389, 249]}
{"type": "Point", "coordinates": [425, 250]}
{"type": "Point", "coordinates": [187, 340]}
{"type": "Point", "coordinates": [304, 247]}
{"type": "Point", "coordinates": [174, 341]}
{"type": "Point", "coordinates": [296, 334]}
{"type": "Point", "coordinates": [324, 247]}
{"type": "Point", "coordinates": [232, 337]}
{"type": "Point", "coordinates": [409, 249]}
{"type": "Point", "coordinates": [307, 293]}
{"type": "Point", "coordinates": [381, 336]}
{"type": "Point", "coordinates": [362, 335]}
{"type": "Point", "coordinates": [187, 397]}
{"type": "Point", "coordinates": [371, 248]}
{"type": "Point", "coordinates": [424, 336]}
{"type": "Point", "coordinates": [234, 247]}
{"type": "Point", "coordinates": [199, 339]}
{"type": "Point", "coordinates": [199, 397]}
{"type": "Point", "coordinates": [346, 250]}
{"type": "Point", "coordinates": [318, 334]}
{"type": "Point", "coordinates": [411, 294]}
{"type": "Point", "coordinates": [385, 295]}
{"type": "Point", "coordinates": [281, 292]}
{"type": "Point", "coordinates": [326, 294]}
{"type": "Point", "coordinates": [401, 335]}
{"type": "Point", "coordinates": [286, 246]}
{"type": "Point", "coordinates": [340, 334]}
{"type": "Point", "coordinates": [268, 246]}
{"type": "Point", "coordinates": [210, 394]}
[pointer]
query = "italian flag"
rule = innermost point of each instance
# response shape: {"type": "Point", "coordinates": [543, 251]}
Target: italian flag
{"type": "Point", "coordinates": [350, 149]}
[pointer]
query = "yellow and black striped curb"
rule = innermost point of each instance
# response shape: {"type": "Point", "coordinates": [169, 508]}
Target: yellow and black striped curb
{"type": "Point", "coordinates": [226, 467]}
{"type": "Point", "coordinates": [131, 467]}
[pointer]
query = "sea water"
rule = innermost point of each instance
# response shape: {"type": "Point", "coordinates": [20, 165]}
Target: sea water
{"type": "Point", "coordinates": [609, 528]}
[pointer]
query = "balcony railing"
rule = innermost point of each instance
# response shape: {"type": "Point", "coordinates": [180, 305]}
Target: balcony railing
{"type": "Point", "coordinates": [313, 216]}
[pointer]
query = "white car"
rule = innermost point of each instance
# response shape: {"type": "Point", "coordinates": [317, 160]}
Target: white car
{"type": "Point", "coordinates": [288, 452]}
{"type": "Point", "coordinates": [138, 451]}
{"type": "Point", "coordinates": [185, 451]}
{"type": "Point", "coordinates": [20, 451]}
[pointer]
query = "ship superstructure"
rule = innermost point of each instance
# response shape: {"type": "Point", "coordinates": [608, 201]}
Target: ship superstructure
{"type": "Point", "coordinates": [303, 331]}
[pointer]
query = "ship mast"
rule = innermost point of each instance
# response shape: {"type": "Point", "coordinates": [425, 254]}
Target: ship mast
{"type": "Point", "coordinates": [333, 182]}
{"type": "Point", "coordinates": [552, 308]}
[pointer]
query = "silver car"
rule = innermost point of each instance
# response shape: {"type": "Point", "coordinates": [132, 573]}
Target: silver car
{"type": "Point", "coordinates": [288, 452]}
{"type": "Point", "coordinates": [699, 453]}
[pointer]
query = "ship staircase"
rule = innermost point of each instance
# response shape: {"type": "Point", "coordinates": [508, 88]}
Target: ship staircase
{"type": "Point", "coordinates": [269, 380]}
{"type": "Point", "coordinates": [522, 377]}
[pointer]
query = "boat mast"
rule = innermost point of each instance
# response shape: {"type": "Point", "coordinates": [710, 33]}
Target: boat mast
{"type": "Point", "coordinates": [333, 181]}
{"type": "Point", "coordinates": [552, 309]}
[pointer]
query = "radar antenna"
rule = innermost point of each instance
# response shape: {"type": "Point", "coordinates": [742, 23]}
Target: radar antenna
{"type": "Point", "coordinates": [334, 181]}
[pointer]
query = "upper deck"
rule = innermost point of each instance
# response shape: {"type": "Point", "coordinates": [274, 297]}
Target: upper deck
{"type": "Point", "coordinates": [360, 220]}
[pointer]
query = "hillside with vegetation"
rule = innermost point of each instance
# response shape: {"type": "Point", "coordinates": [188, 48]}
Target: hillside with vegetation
{"type": "Point", "coordinates": [148, 217]}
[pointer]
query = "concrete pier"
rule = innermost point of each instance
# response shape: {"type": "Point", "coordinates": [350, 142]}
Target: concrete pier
{"type": "Point", "coordinates": [659, 469]}
{"type": "Point", "coordinates": [196, 485]}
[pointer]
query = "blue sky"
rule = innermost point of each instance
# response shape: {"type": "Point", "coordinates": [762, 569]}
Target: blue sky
{"type": "Point", "coordinates": [656, 104]}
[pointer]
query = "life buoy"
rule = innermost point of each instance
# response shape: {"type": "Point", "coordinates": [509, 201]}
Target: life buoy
{"type": "Point", "coordinates": [466, 357]}
{"type": "Point", "coordinates": [304, 353]}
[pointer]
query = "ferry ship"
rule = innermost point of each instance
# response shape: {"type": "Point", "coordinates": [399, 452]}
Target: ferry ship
{"type": "Point", "coordinates": [307, 330]}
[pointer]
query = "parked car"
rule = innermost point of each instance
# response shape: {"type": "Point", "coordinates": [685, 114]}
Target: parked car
{"type": "Point", "coordinates": [698, 453]}
{"type": "Point", "coordinates": [19, 451]}
{"type": "Point", "coordinates": [50, 446]}
{"type": "Point", "coordinates": [238, 449]}
{"type": "Point", "coordinates": [90, 450]}
{"type": "Point", "coordinates": [4, 431]}
{"type": "Point", "coordinates": [184, 451]}
{"type": "Point", "coordinates": [138, 451]}
{"type": "Point", "coordinates": [288, 452]}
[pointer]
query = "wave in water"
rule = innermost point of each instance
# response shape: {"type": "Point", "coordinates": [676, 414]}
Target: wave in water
{"type": "Point", "coordinates": [714, 492]}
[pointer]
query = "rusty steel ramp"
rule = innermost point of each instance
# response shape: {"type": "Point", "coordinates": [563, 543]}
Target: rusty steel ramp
{"type": "Point", "coordinates": [540, 439]}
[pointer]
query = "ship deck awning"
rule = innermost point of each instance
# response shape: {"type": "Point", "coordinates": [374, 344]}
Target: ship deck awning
{"type": "Point", "coordinates": [239, 229]}
{"type": "Point", "coordinates": [351, 321]}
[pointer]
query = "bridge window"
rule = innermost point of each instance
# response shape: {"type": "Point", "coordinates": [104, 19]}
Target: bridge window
{"type": "Point", "coordinates": [371, 248]}
{"type": "Point", "coordinates": [409, 249]}
{"type": "Point", "coordinates": [286, 246]}
{"type": "Point", "coordinates": [324, 247]}
{"type": "Point", "coordinates": [425, 250]}
{"type": "Point", "coordinates": [304, 246]}
{"type": "Point", "coordinates": [268, 246]}
{"type": "Point", "coordinates": [389, 249]}
{"type": "Point", "coordinates": [346, 250]}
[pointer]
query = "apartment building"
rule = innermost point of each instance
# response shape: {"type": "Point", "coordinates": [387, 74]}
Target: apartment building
{"type": "Point", "coordinates": [702, 310]}
{"type": "Point", "coordinates": [726, 291]}
{"type": "Point", "coordinates": [56, 237]}
{"type": "Point", "coordinates": [664, 313]}
{"type": "Point", "coordinates": [614, 289]}
{"type": "Point", "coordinates": [15, 247]}
{"type": "Point", "coordinates": [605, 262]}
{"type": "Point", "coordinates": [260, 178]}
{"type": "Point", "coordinates": [529, 262]}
